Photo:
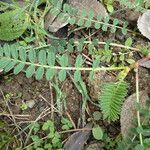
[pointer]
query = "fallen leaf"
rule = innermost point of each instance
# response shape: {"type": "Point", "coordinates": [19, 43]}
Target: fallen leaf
{"type": "Point", "coordinates": [89, 5]}
{"type": "Point", "coordinates": [78, 139]}
{"type": "Point", "coordinates": [54, 23]}
{"type": "Point", "coordinates": [146, 64]}
{"type": "Point", "coordinates": [128, 113]}
{"type": "Point", "coordinates": [144, 24]}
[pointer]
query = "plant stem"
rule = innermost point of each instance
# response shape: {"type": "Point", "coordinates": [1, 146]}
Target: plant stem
{"type": "Point", "coordinates": [68, 68]}
{"type": "Point", "coordinates": [138, 101]}
{"type": "Point", "coordinates": [100, 43]}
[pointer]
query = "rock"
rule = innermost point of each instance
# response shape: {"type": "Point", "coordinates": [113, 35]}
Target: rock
{"type": "Point", "coordinates": [128, 113]}
{"type": "Point", "coordinates": [95, 146]}
{"type": "Point", "coordinates": [30, 103]}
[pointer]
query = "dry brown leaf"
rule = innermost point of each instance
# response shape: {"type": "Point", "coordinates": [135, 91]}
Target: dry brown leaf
{"type": "Point", "coordinates": [78, 139]}
{"type": "Point", "coordinates": [89, 5]}
{"type": "Point", "coordinates": [146, 64]}
{"type": "Point", "coordinates": [128, 113]}
{"type": "Point", "coordinates": [144, 24]}
{"type": "Point", "coordinates": [54, 23]}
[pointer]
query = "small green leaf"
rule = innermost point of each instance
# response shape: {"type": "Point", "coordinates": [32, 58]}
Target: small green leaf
{"type": "Point", "coordinates": [48, 146]}
{"type": "Point", "coordinates": [10, 66]}
{"type": "Point", "coordinates": [113, 29]}
{"type": "Point", "coordinates": [79, 61]}
{"type": "Point", "coordinates": [88, 23]}
{"type": "Point", "coordinates": [130, 61]}
{"type": "Point", "coordinates": [99, 18]}
{"type": "Point", "coordinates": [64, 60]}
{"type": "Point", "coordinates": [70, 48]}
{"type": "Point", "coordinates": [105, 27]}
{"type": "Point", "coordinates": [97, 132]}
{"type": "Point", "coordinates": [91, 14]}
{"type": "Point", "coordinates": [139, 147]}
{"type": "Point", "coordinates": [97, 25]}
{"type": "Point", "coordinates": [32, 55]}
{"type": "Point", "coordinates": [72, 20]}
{"type": "Point", "coordinates": [42, 57]}
{"type": "Point", "coordinates": [77, 75]}
{"type": "Point", "coordinates": [14, 53]}
{"type": "Point", "coordinates": [7, 50]}
{"type": "Point", "coordinates": [22, 54]}
{"type": "Point", "coordinates": [4, 62]}
{"type": "Point", "coordinates": [128, 42]}
{"type": "Point", "coordinates": [30, 71]}
{"type": "Point", "coordinates": [50, 72]}
{"type": "Point", "coordinates": [62, 75]}
{"type": "Point", "coordinates": [84, 13]}
{"type": "Point", "coordinates": [110, 8]}
{"type": "Point", "coordinates": [39, 73]}
{"type": "Point", "coordinates": [80, 22]}
{"type": "Point", "coordinates": [115, 22]}
{"type": "Point", "coordinates": [48, 125]}
{"type": "Point", "coordinates": [51, 58]}
{"type": "Point", "coordinates": [19, 68]}
{"type": "Point", "coordinates": [122, 57]}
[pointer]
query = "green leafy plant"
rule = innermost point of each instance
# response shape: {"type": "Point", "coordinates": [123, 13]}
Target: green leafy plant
{"type": "Point", "coordinates": [52, 61]}
{"type": "Point", "coordinates": [66, 124]}
{"type": "Point", "coordinates": [6, 138]}
{"type": "Point", "coordinates": [51, 140]}
{"type": "Point", "coordinates": [13, 23]}
{"type": "Point", "coordinates": [112, 98]}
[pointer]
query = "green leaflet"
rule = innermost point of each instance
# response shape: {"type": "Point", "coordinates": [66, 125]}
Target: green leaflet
{"type": "Point", "coordinates": [12, 24]}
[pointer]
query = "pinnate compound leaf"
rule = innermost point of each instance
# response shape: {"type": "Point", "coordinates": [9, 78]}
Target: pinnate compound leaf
{"type": "Point", "coordinates": [112, 98]}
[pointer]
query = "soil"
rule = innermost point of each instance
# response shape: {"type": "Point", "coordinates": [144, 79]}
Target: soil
{"type": "Point", "coordinates": [15, 91]}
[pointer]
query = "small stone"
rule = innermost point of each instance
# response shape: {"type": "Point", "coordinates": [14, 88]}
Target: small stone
{"type": "Point", "coordinates": [30, 103]}
{"type": "Point", "coordinates": [95, 146]}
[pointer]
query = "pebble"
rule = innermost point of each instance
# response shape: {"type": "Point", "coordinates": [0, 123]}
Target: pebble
{"type": "Point", "coordinates": [30, 103]}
